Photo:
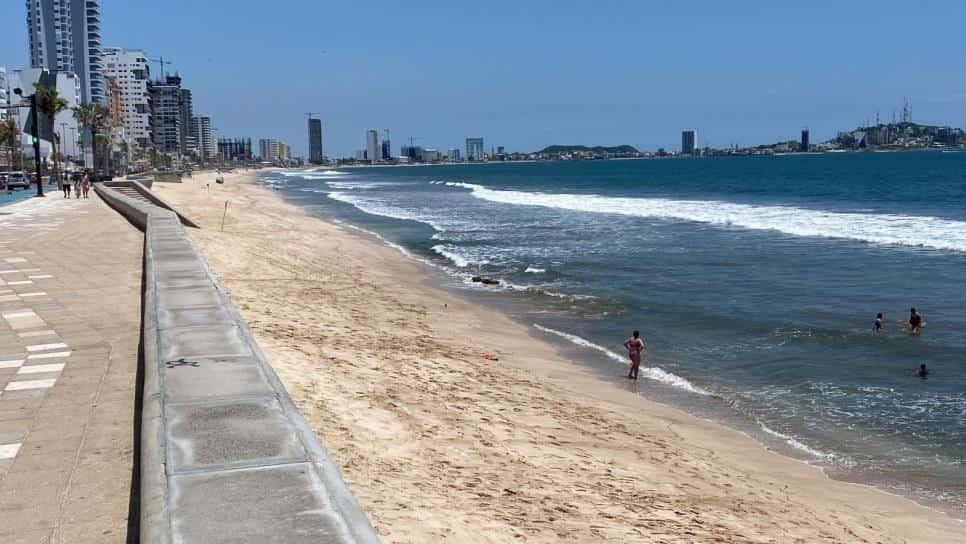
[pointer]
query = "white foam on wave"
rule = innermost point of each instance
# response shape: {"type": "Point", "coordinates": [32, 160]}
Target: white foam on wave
{"type": "Point", "coordinates": [373, 207]}
{"type": "Point", "coordinates": [314, 174]}
{"type": "Point", "coordinates": [652, 372]}
{"type": "Point", "coordinates": [358, 184]}
{"type": "Point", "coordinates": [884, 229]}
{"type": "Point", "coordinates": [456, 258]}
{"type": "Point", "coordinates": [534, 270]}
{"type": "Point", "coordinates": [791, 441]}
{"type": "Point", "coordinates": [382, 239]}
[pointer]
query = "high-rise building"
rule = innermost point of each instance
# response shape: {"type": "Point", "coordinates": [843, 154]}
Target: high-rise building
{"type": "Point", "coordinates": [201, 129]}
{"type": "Point", "coordinates": [65, 36]}
{"type": "Point", "coordinates": [453, 154]}
{"type": "Point", "coordinates": [804, 145]}
{"type": "Point", "coordinates": [188, 142]}
{"type": "Point", "coordinates": [373, 151]}
{"type": "Point", "coordinates": [474, 149]}
{"type": "Point", "coordinates": [688, 141]}
{"type": "Point", "coordinates": [4, 96]}
{"type": "Point", "coordinates": [412, 152]}
{"type": "Point", "coordinates": [129, 68]}
{"type": "Point", "coordinates": [166, 114]}
{"type": "Point", "coordinates": [315, 141]}
{"type": "Point", "coordinates": [268, 149]}
{"type": "Point", "coordinates": [235, 149]}
{"type": "Point", "coordinates": [283, 152]}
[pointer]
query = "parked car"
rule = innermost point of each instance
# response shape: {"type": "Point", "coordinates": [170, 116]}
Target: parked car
{"type": "Point", "coordinates": [18, 180]}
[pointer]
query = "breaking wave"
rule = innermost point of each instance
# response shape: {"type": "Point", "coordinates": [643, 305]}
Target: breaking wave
{"type": "Point", "coordinates": [884, 229]}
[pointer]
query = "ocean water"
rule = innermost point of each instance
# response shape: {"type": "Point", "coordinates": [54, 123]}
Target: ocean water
{"type": "Point", "coordinates": [754, 281]}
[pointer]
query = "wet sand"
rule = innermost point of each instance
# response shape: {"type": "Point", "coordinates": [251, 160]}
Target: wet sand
{"type": "Point", "coordinates": [441, 445]}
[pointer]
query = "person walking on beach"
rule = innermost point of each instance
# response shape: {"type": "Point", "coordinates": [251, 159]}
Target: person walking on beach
{"type": "Point", "coordinates": [915, 321]}
{"type": "Point", "coordinates": [86, 185]}
{"type": "Point", "coordinates": [635, 348]}
{"type": "Point", "coordinates": [66, 188]}
{"type": "Point", "coordinates": [877, 324]}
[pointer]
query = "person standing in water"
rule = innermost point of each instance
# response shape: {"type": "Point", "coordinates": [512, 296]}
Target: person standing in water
{"type": "Point", "coordinates": [877, 324]}
{"type": "Point", "coordinates": [635, 348]}
{"type": "Point", "coordinates": [915, 321]}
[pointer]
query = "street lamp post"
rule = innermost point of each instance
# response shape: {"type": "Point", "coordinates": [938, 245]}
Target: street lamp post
{"type": "Point", "coordinates": [36, 139]}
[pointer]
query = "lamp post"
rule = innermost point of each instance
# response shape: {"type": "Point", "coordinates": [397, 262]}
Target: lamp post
{"type": "Point", "coordinates": [36, 139]}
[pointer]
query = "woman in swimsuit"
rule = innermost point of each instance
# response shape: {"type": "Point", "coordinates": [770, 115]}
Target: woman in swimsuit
{"type": "Point", "coordinates": [635, 346]}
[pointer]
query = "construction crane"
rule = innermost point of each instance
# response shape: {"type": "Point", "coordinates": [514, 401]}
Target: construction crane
{"type": "Point", "coordinates": [162, 62]}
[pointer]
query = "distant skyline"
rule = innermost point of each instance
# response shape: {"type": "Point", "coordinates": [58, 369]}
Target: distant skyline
{"type": "Point", "coordinates": [529, 74]}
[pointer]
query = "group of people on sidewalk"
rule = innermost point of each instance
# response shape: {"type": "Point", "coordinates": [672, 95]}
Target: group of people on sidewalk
{"type": "Point", "coordinates": [82, 186]}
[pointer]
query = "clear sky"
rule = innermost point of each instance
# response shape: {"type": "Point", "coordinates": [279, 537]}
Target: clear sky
{"type": "Point", "coordinates": [529, 73]}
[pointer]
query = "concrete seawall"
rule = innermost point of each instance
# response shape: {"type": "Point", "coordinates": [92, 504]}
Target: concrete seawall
{"type": "Point", "coordinates": [225, 454]}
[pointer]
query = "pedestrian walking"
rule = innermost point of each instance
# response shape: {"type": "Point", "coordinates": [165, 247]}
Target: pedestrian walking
{"type": "Point", "coordinates": [86, 185]}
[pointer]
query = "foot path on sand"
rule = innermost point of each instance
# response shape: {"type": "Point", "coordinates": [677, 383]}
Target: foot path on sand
{"type": "Point", "coordinates": [70, 292]}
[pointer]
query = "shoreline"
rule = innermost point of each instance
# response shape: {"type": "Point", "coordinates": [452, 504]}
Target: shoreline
{"type": "Point", "coordinates": [720, 482]}
{"type": "Point", "coordinates": [688, 398]}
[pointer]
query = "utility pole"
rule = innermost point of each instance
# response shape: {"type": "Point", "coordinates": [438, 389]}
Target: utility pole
{"type": "Point", "coordinates": [35, 126]}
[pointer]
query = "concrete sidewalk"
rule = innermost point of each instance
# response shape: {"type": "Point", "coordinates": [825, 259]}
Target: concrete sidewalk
{"type": "Point", "coordinates": [70, 294]}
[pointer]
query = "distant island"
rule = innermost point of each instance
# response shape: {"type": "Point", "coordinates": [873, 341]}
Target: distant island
{"type": "Point", "coordinates": [614, 150]}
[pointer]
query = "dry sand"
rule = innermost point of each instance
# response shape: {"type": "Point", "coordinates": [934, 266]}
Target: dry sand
{"type": "Point", "coordinates": [440, 445]}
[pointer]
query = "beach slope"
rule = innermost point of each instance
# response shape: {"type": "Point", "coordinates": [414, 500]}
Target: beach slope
{"type": "Point", "coordinates": [441, 445]}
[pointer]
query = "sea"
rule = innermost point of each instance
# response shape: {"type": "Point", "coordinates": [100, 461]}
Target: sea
{"type": "Point", "coordinates": [754, 281]}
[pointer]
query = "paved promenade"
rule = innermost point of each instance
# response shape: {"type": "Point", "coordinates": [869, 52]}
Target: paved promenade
{"type": "Point", "coordinates": [70, 281]}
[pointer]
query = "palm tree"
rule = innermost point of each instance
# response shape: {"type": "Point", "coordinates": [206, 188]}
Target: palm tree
{"type": "Point", "coordinates": [8, 136]}
{"type": "Point", "coordinates": [50, 103]}
{"type": "Point", "coordinates": [95, 117]}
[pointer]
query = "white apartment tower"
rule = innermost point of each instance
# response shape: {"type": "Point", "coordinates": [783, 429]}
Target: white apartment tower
{"type": "Point", "coordinates": [65, 36]}
{"type": "Point", "coordinates": [4, 96]}
{"type": "Point", "coordinates": [269, 150]}
{"type": "Point", "coordinates": [201, 130]}
{"type": "Point", "coordinates": [130, 70]}
{"type": "Point", "coordinates": [373, 152]}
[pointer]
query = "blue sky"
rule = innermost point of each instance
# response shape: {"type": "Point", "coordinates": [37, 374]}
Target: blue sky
{"type": "Point", "coordinates": [531, 73]}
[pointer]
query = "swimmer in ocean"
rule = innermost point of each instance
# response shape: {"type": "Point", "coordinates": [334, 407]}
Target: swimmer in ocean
{"type": "Point", "coordinates": [923, 371]}
{"type": "Point", "coordinates": [915, 321]}
{"type": "Point", "coordinates": [877, 324]}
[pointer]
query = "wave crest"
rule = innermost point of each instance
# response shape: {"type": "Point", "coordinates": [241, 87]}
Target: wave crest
{"type": "Point", "coordinates": [884, 229]}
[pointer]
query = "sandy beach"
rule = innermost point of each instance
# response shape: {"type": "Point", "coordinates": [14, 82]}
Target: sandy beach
{"type": "Point", "coordinates": [441, 445]}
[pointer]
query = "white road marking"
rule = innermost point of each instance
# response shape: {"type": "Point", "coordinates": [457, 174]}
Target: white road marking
{"type": "Point", "coordinates": [9, 451]}
{"type": "Point", "coordinates": [48, 355]}
{"type": "Point", "coordinates": [32, 334]}
{"type": "Point", "coordinates": [45, 347]}
{"type": "Point", "coordinates": [13, 363]}
{"type": "Point", "coordinates": [30, 384]}
{"type": "Point", "coordinates": [40, 369]}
